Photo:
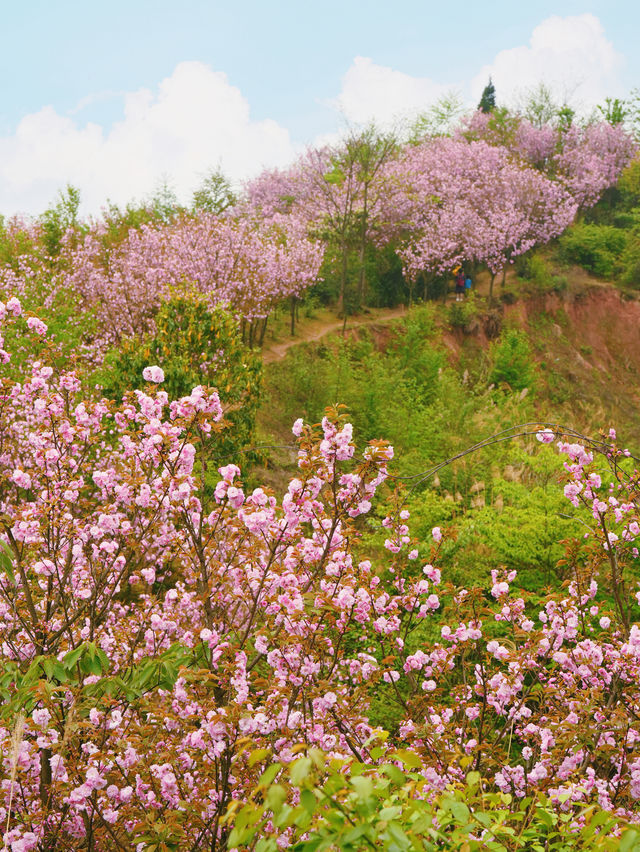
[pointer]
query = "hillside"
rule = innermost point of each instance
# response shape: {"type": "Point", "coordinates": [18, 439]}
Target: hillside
{"type": "Point", "coordinates": [584, 342]}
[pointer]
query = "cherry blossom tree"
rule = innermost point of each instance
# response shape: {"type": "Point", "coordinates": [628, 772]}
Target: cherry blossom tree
{"type": "Point", "coordinates": [473, 203]}
{"type": "Point", "coordinates": [244, 264]}
{"type": "Point", "coordinates": [592, 158]}
{"type": "Point", "coordinates": [344, 192]}
{"type": "Point", "coordinates": [162, 644]}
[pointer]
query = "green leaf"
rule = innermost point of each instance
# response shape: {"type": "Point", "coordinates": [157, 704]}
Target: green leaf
{"type": "Point", "coordinates": [629, 841]}
{"type": "Point", "coordinates": [59, 672]}
{"type": "Point", "coordinates": [308, 801]}
{"type": "Point", "coordinates": [355, 833]}
{"type": "Point", "coordinates": [274, 800]}
{"type": "Point", "coordinates": [408, 758]}
{"type": "Point", "coordinates": [460, 811]}
{"type": "Point", "coordinates": [390, 813]}
{"type": "Point", "coordinates": [71, 658]}
{"type": "Point", "coordinates": [396, 833]}
{"type": "Point", "coordinates": [473, 779]}
{"type": "Point", "coordinates": [269, 775]}
{"type": "Point", "coordinates": [394, 774]}
{"type": "Point", "coordinates": [363, 787]}
{"type": "Point", "coordinates": [266, 844]}
{"type": "Point", "coordinates": [6, 561]}
{"type": "Point", "coordinates": [299, 770]}
{"type": "Point", "coordinates": [258, 755]}
{"type": "Point", "coordinates": [545, 817]}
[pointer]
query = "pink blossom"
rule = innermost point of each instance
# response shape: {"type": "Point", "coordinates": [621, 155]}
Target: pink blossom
{"type": "Point", "coordinates": [153, 374]}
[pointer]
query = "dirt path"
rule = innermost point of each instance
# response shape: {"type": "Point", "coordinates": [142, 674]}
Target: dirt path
{"type": "Point", "coordinates": [315, 329]}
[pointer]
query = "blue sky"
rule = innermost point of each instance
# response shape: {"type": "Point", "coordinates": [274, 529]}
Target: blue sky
{"type": "Point", "coordinates": [117, 96]}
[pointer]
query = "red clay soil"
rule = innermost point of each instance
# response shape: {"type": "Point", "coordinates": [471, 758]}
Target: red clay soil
{"type": "Point", "coordinates": [603, 326]}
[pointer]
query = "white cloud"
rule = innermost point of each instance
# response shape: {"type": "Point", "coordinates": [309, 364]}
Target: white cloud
{"type": "Point", "coordinates": [570, 55]}
{"type": "Point", "coordinates": [375, 92]}
{"type": "Point", "coordinates": [195, 121]}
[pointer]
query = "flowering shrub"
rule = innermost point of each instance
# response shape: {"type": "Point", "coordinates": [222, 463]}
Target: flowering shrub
{"type": "Point", "coordinates": [162, 643]}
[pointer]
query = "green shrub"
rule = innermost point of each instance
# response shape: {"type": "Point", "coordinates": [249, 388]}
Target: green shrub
{"type": "Point", "coordinates": [331, 804]}
{"type": "Point", "coordinates": [464, 314]}
{"type": "Point", "coordinates": [195, 345]}
{"type": "Point", "coordinates": [512, 362]}
{"type": "Point", "coordinates": [630, 261]}
{"type": "Point", "coordinates": [597, 248]}
{"type": "Point", "coordinates": [534, 269]}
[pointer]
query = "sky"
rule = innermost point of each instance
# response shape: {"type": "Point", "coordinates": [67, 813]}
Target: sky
{"type": "Point", "coordinates": [122, 97]}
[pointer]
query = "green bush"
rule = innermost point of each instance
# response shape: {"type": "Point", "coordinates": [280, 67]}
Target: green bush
{"type": "Point", "coordinates": [597, 248]}
{"type": "Point", "coordinates": [512, 361]}
{"type": "Point", "coordinates": [464, 314]}
{"type": "Point", "coordinates": [330, 804]}
{"type": "Point", "coordinates": [534, 269]}
{"type": "Point", "coordinates": [630, 260]}
{"type": "Point", "coordinates": [195, 345]}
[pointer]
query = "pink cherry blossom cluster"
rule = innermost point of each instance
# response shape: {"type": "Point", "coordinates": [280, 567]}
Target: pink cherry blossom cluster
{"type": "Point", "coordinates": [248, 265]}
{"type": "Point", "coordinates": [473, 202]}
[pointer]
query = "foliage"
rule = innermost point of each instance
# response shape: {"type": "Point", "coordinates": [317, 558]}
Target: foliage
{"type": "Point", "coordinates": [512, 361]}
{"type": "Point", "coordinates": [488, 98]}
{"type": "Point", "coordinates": [352, 806]}
{"type": "Point", "coordinates": [163, 203]}
{"type": "Point", "coordinates": [17, 239]}
{"type": "Point", "coordinates": [214, 195]}
{"type": "Point", "coordinates": [614, 110]}
{"type": "Point", "coordinates": [439, 119]}
{"type": "Point", "coordinates": [194, 344]}
{"type": "Point", "coordinates": [540, 107]}
{"type": "Point", "coordinates": [629, 183]}
{"type": "Point", "coordinates": [597, 248]}
{"type": "Point", "coordinates": [535, 269]}
{"type": "Point", "coordinates": [630, 260]}
{"type": "Point", "coordinates": [60, 218]}
{"type": "Point", "coordinates": [172, 641]}
{"type": "Point", "coordinates": [465, 314]}
{"type": "Point", "coordinates": [130, 594]}
{"type": "Point", "coordinates": [471, 203]}
{"type": "Point", "coordinates": [245, 264]}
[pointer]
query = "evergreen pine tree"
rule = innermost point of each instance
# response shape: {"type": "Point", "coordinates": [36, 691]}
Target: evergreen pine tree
{"type": "Point", "coordinates": [488, 99]}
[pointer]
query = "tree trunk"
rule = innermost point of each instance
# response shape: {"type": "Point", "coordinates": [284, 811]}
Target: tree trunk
{"type": "Point", "coordinates": [493, 278]}
{"type": "Point", "coordinates": [262, 330]}
{"type": "Point", "coordinates": [343, 279]}
{"type": "Point", "coordinates": [362, 288]}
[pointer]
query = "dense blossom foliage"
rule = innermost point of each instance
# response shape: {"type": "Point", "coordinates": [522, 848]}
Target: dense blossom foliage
{"type": "Point", "coordinates": [591, 160]}
{"type": "Point", "coordinates": [472, 202]}
{"type": "Point", "coordinates": [160, 641]}
{"type": "Point", "coordinates": [246, 265]}
{"type": "Point", "coordinates": [494, 190]}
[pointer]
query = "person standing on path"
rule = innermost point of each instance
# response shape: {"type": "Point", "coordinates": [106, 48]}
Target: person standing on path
{"type": "Point", "coordinates": [460, 286]}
